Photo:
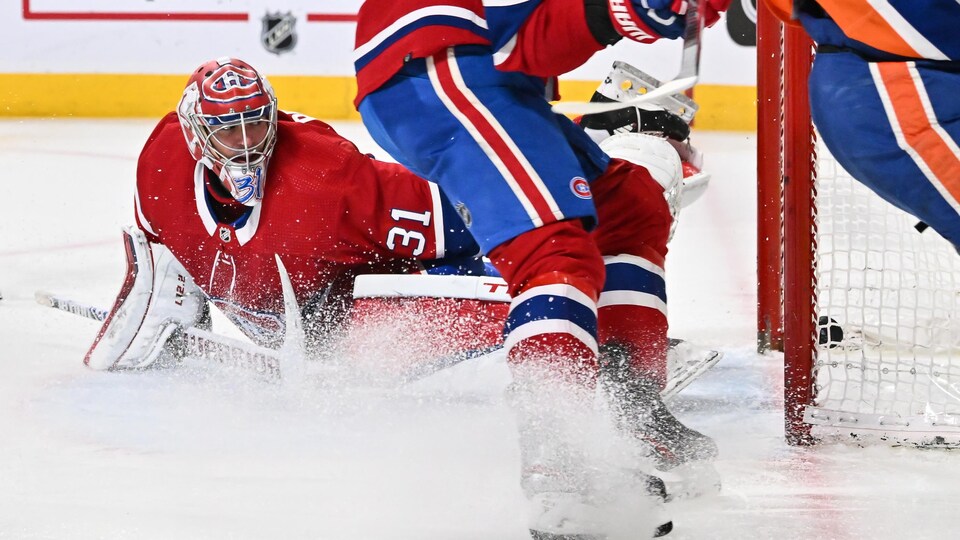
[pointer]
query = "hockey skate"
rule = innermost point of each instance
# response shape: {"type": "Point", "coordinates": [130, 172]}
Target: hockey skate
{"type": "Point", "coordinates": [682, 456]}
{"type": "Point", "coordinates": [573, 491]}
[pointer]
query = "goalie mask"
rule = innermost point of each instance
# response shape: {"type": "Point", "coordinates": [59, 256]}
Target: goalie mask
{"type": "Point", "coordinates": [228, 114]}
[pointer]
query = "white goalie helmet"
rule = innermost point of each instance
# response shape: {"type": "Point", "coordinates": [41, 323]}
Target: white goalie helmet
{"type": "Point", "coordinates": [228, 114]}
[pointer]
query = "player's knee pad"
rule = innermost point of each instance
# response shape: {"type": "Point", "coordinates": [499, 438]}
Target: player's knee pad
{"type": "Point", "coordinates": [157, 297]}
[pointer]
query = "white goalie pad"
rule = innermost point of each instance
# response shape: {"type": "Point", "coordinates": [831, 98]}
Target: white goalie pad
{"type": "Point", "coordinates": [414, 285]}
{"type": "Point", "coordinates": [157, 297]}
{"type": "Point", "coordinates": [658, 156]}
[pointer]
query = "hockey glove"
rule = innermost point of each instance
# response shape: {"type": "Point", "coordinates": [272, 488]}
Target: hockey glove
{"type": "Point", "coordinates": [649, 20]}
{"type": "Point", "coordinates": [157, 298]}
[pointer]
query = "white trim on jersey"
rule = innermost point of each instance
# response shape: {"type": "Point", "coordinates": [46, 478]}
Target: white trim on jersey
{"type": "Point", "coordinates": [243, 234]}
{"type": "Point", "coordinates": [550, 326]}
{"type": "Point", "coordinates": [249, 228]}
{"type": "Point", "coordinates": [438, 226]}
{"type": "Point", "coordinates": [412, 17]}
{"type": "Point", "coordinates": [898, 129]}
{"type": "Point", "coordinates": [905, 30]}
{"type": "Point", "coordinates": [199, 196]}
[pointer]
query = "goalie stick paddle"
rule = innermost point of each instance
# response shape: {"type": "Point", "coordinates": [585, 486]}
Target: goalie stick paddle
{"type": "Point", "coordinates": [194, 342]}
{"type": "Point", "coordinates": [686, 78]}
{"type": "Point", "coordinates": [266, 363]}
{"type": "Point", "coordinates": [246, 357]}
{"type": "Point", "coordinates": [236, 354]}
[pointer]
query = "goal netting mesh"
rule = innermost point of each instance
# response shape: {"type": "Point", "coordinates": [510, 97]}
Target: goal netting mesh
{"type": "Point", "coordinates": [888, 308]}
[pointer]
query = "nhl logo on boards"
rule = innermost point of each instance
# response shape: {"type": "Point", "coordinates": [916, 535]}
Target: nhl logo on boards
{"type": "Point", "coordinates": [279, 34]}
{"type": "Point", "coordinates": [580, 187]}
{"type": "Point", "coordinates": [225, 234]}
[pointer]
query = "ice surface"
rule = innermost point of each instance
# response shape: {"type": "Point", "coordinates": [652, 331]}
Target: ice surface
{"type": "Point", "coordinates": [198, 454]}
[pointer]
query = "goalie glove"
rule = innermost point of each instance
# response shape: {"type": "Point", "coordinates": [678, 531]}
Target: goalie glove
{"type": "Point", "coordinates": [667, 118]}
{"type": "Point", "coordinates": [158, 297]}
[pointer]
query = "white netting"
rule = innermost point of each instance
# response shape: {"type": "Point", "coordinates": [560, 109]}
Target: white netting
{"type": "Point", "coordinates": [895, 293]}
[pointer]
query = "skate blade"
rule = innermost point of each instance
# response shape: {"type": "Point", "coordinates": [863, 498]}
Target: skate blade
{"type": "Point", "coordinates": [691, 480]}
{"type": "Point", "coordinates": [627, 516]}
{"type": "Point", "coordinates": [660, 531]}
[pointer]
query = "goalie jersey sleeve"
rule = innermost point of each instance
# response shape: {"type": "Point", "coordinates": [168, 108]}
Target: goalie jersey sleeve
{"type": "Point", "coordinates": [329, 211]}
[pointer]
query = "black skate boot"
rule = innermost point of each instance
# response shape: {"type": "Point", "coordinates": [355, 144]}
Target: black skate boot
{"type": "Point", "coordinates": [640, 412]}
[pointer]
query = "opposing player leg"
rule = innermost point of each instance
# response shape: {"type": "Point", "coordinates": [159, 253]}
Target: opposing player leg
{"type": "Point", "coordinates": [508, 164]}
{"type": "Point", "coordinates": [906, 132]}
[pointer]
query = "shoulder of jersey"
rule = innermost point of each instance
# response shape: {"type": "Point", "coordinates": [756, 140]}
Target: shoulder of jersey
{"type": "Point", "coordinates": [313, 151]}
{"type": "Point", "coordinates": [166, 139]}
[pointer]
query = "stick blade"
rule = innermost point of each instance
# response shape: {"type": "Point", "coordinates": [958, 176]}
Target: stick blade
{"type": "Point", "coordinates": [294, 349]}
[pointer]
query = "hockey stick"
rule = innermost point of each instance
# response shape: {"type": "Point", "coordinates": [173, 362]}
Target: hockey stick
{"type": "Point", "coordinates": [246, 357]}
{"type": "Point", "coordinates": [190, 341]}
{"type": "Point", "coordinates": [686, 78]}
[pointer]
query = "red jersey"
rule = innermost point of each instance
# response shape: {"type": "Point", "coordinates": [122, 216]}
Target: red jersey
{"type": "Point", "coordinates": [329, 211]}
{"type": "Point", "coordinates": [544, 38]}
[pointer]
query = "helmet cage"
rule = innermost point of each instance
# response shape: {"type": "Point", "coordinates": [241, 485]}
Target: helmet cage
{"type": "Point", "coordinates": [240, 167]}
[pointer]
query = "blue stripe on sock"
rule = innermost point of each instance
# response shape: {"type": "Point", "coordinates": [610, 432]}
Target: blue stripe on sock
{"type": "Point", "coordinates": [550, 306]}
{"type": "Point", "coordinates": [630, 277]}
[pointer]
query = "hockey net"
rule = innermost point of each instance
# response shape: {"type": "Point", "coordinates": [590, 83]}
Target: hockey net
{"type": "Point", "coordinates": [871, 337]}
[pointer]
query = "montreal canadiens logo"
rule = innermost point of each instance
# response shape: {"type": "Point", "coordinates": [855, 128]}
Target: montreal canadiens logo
{"type": "Point", "coordinates": [580, 187]}
{"type": "Point", "coordinates": [231, 83]}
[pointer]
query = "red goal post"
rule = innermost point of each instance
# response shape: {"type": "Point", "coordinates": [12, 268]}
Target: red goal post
{"type": "Point", "coordinates": [786, 155]}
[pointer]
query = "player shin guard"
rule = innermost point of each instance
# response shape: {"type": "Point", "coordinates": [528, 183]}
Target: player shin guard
{"type": "Point", "coordinates": [554, 322]}
{"type": "Point", "coordinates": [632, 314]}
{"type": "Point", "coordinates": [555, 274]}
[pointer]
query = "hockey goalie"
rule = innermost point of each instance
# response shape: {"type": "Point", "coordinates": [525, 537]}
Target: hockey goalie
{"type": "Point", "coordinates": [262, 182]}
